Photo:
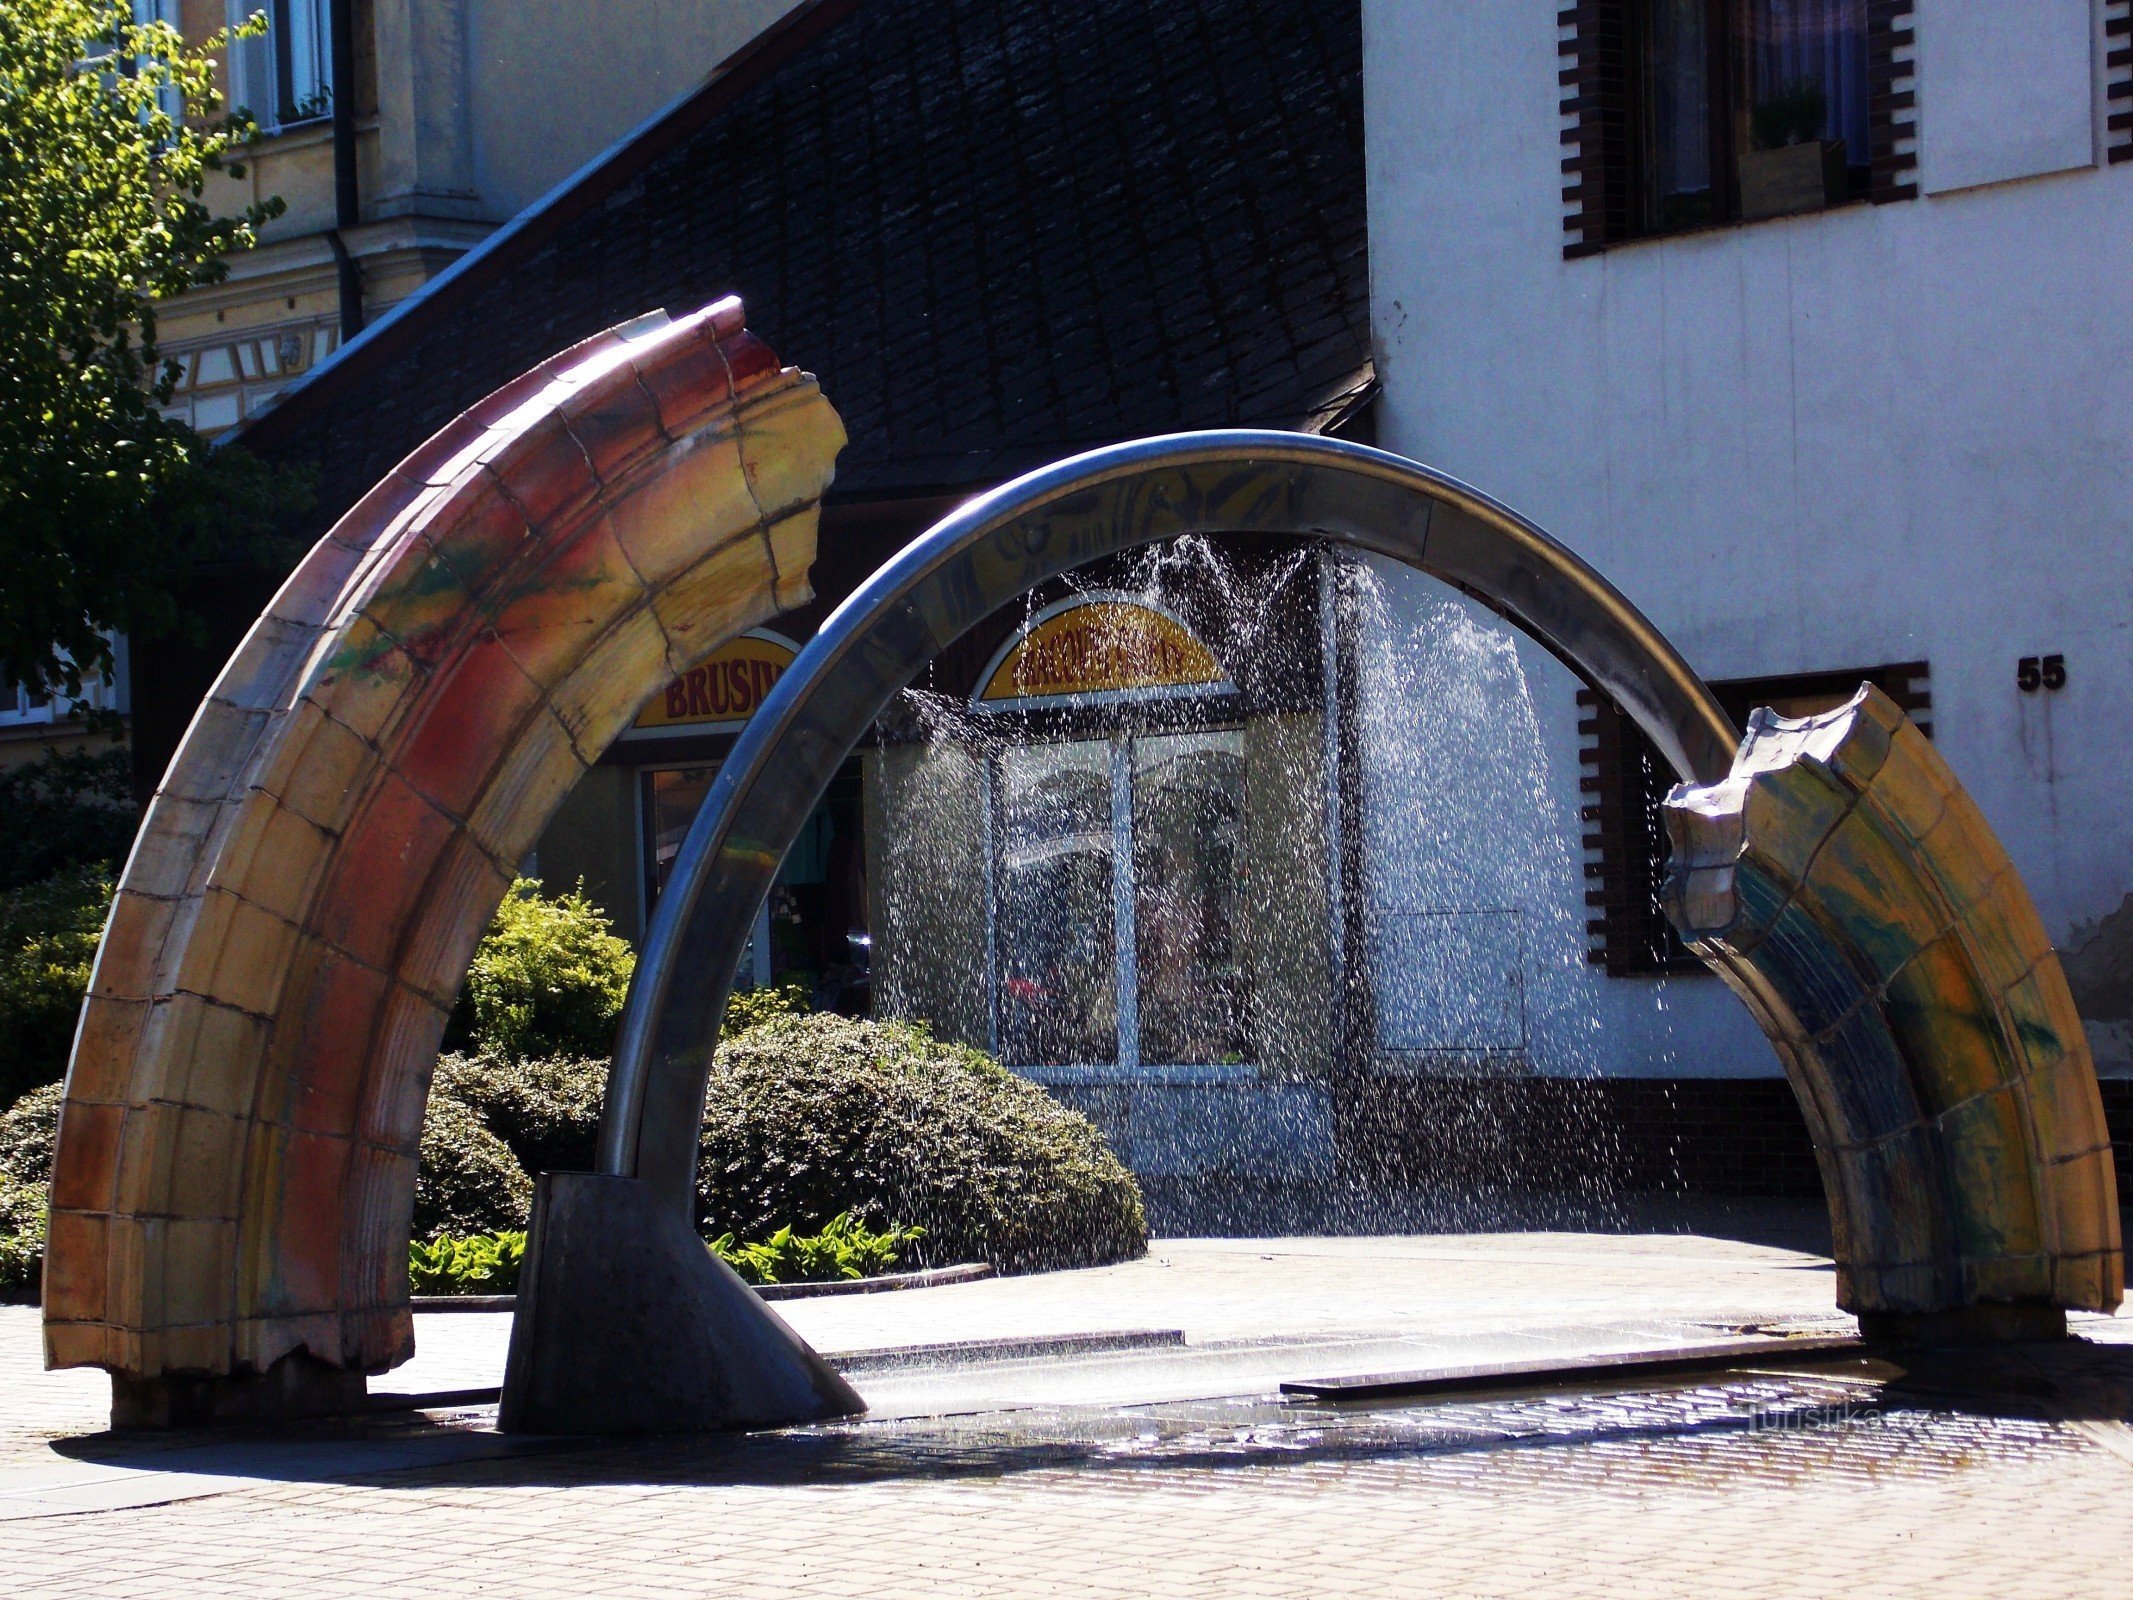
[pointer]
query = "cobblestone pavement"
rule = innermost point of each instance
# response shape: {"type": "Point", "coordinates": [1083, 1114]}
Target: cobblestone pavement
{"type": "Point", "coordinates": [2007, 1477]}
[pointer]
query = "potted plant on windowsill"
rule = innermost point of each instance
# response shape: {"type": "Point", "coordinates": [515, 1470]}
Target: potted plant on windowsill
{"type": "Point", "coordinates": [1790, 167]}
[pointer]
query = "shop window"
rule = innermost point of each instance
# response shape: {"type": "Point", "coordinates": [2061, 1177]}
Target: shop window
{"type": "Point", "coordinates": [1688, 114]}
{"type": "Point", "coordinates": [1116, 882]}
{"type": "Point", "coordinates": [1626, 782]}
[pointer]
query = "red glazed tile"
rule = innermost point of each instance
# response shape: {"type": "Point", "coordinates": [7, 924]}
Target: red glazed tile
{"type": "Point", "coordinates": [546, 473]}
{"type": "Point", "coordinates": [324, 1055]}
{"type": "Point", "coordinates": [313, 1204]}
{"type": "Point", "coordinates": [474, 707]}
{"type": "Point", "coordinates": [614, 421]}
{"type": "Point", "coordinates": [385, 857]}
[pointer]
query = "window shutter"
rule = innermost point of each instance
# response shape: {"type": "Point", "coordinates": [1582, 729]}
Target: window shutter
{"type": "Point", "coordinates": [1891, 100]}
{"type": "Point", "coordinates": [1593, 40]}
{"type": "Point", "coordinates": [2118, 79]}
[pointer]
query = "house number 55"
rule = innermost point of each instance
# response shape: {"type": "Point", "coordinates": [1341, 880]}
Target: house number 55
{"type": "Point", "coordinates": [2040, 672]}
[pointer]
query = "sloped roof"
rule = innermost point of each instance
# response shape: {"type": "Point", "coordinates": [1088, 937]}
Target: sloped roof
{"type": "Point", "coordinates": [998, 230]}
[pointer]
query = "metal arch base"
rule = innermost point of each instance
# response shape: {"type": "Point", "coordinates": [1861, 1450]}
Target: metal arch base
{"type": "Point", "coordinates": [984, 555]}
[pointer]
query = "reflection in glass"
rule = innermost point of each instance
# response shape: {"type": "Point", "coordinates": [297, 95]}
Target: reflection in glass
{"type": "Point", "coordinates": [1054, 921]}
{"type": "Point", "coordinates": [1188, 806]}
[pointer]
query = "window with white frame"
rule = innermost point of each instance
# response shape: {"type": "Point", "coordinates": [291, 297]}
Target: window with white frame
{"type": "Point", "coordinates": [286, 76]}
{"type": "Point", "coordinates": [24, 707]}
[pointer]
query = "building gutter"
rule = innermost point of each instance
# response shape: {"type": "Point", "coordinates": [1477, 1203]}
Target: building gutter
{"type": "Point", "coordinates": [347, 199]}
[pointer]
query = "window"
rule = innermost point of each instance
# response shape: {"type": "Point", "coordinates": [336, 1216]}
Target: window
{"type": "Point", "coordinates": [22, 707]}
{"type": "Point", "coordinates": [1693, 113]}
{"type": "Point", "coordinates": [285, 77]}
{"type": "Point", "coordinates": [1626, 783]}
{"type": "Point", "coordinates": [1116, 880]}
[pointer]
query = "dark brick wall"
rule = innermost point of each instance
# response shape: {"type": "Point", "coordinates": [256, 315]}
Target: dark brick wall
{"type": "Point", "coordinates": [1726, 1136]}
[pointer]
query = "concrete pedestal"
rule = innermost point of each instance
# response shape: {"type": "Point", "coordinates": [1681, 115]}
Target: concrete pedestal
{"type": "Point", "coordinates": [627, 1324]}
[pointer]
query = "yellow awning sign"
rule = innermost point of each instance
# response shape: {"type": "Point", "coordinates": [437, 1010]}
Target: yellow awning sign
{"type": "Point", "coordinates": [1100, 647]}
{"type": "Point", "coordinates": [724, 691]}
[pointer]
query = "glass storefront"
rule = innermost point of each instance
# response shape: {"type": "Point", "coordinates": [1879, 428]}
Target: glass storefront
{"type": "Point", "coordinates": [1115, 902]}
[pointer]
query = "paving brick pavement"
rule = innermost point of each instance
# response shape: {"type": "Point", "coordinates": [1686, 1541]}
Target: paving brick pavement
{"type": "Point", "coordinates": [1774, 1485]}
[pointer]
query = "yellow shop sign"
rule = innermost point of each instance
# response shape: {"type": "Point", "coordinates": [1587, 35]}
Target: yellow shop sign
{"type": "Point", "coordinates": [725, 690]}
{"type": "Point", "coordinates": [1101, 646]}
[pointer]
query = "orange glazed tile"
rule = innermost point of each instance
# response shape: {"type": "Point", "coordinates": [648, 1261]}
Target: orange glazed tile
{"type": "Point", "coordinates": [148, 1144]}
{"type": "Point", "coordinates": [199, 1275]}
{"type": "Point", "coordinates": [106, 1047]}
{"type": "Point", "coordinates": [320, 768]}
{"type": "Point", "coordinates": [363, 679]}
{"type": "Point", "coordinates": [789, 438]}
{"type": "Point", "coordinates": [545, 472]}
{"type": "Point", "coordinates": [207, 1174]}
{"type": "Point", "coordinates": [284, 857]}
{"type": "Point", "coordinates": [85, 1167]}
{"type": "Point", "coordinates": [77, 1344]}
{"type": "Point", "coordinates": [212, 1054]}
{"type": "Point", "coordinates": [534, 777]}
{"type": "Point", "coordinates": [697, 501]}
{"type": "Point", "coordinates": [554, 611]}
{"type": "Point", "coordinates": [617, 676]}
{"type": "Point", "coordinates": [218, 747]}
{"type": "Point", "coordinates": [614, 422]}
{"type": "Point", "coordinates": [729, 591]}
{"type": "Point", "coordinates": [129, 960]}
{"type": "Point", "coordinates": [167, 851]}
{"type": "Point", "coordinates": [792, 552]}
{"type": "Point", "coordinates": [256, 952]}
{"type": "Point", "coordinates": [687, 380]}
{"type": "Point", "coordinates": [75, 1267]}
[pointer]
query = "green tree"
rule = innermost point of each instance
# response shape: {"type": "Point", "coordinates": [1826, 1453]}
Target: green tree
{"type": "Point", "coordinates": [109, 135]}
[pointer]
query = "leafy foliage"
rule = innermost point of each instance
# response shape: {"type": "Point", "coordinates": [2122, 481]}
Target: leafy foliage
{"type": "Point", "coordinates": [48, 937]}
{"type": "Point", "coordinates": [546, 1109]}
{"type": "Point", "coordinates": [843, 1249]}
{"type": "Point", "coordinates": [71, 808]}
{"type": "Point", "coordinates": [110, 135]}
{"type": "Point", "coordinates": [483, 1263]}
{"type": "Point", "coordinates": [812, 1116]}
{"type": "Point", "coordinates": [749, 1008]}
{"type": "Point", "coordinates": [22, 1225]}
{"type": "Point", "coordinates": [548, 978]}
{"type": "Point", "coordinates": [28, 1129]}
{"type": "Point", "coordinates": [469, 1181]}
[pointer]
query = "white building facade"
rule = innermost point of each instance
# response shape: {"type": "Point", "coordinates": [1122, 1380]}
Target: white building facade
{"type": "Point", "coordinates": [1810, 324]}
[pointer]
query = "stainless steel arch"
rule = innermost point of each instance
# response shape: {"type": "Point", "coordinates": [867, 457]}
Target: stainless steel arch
{"type": "Point", "coordinates": [1004, 544]}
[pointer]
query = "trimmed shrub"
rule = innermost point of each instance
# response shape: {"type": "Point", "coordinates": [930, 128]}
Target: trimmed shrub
{"type": "Point", "coordinates": [66, 809]}
{"type": "Point", "coordinates": [22, 1224]}
{"type": "Point", "coordinates": [469, 1181]}
{"type": "Point", "coordinates": [749, 1008]}
{"type": "Point", "coordinates": [29, 1129]}
{"type": "Point", "coordinates": [548, 978]}
{"type": "Point", "coordinates": [48, 937]}
{"type": "Point", "coordinates": [485, 1263]}
{"type": "Point", "coordinates": [811, 1116]}
{"type": "Point", "coordinates": [547, 1110]}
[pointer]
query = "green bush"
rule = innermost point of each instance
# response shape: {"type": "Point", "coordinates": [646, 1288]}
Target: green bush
{"type": "Point", "coordinates": [65, 809]}
{"type": "Point", "coordinates": [29, 1130]}
{"type": "Point", "coordinates": [48, 936]}
{"type": "Point", "coordinates": [22, 1224]}
{"type": "Point", "coordinates": [469, 1181]}
{"type": "Point", "coordinates": [485, 1263]}
{"type": "Point", "coordinates": [843, 1249]}
{"type": "Point", "coordinates": [812, 1116]}
{"type": "Point", "coordinates": [546, 1109]}
{"type": "Point", "coordinates": [548, 978]}
{"type": "Point", "coordinates": [750, 1008]}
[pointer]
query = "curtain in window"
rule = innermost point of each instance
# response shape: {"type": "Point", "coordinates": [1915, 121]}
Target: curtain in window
{"type": "Point", "coordinates": [1802, 50]}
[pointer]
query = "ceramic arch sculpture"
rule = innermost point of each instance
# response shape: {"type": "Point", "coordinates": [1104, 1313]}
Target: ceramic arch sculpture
{"type": "Point", "coordinates": [236, 1160]}
{"type": "Point", "coordinates": [1837, 876]}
